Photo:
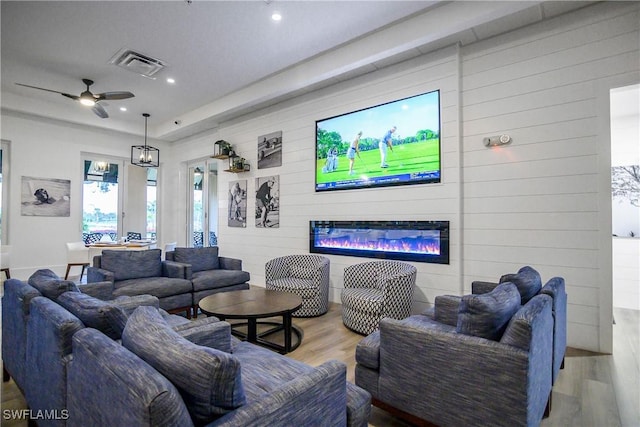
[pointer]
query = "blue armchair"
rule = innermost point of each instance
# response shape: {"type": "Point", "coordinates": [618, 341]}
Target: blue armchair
{"type": "Point", "coordinates": [470, 362]}
{"type": "Point", "coordinates": [209, 272]}
{"type": "Point", "coordinates": [144, 273]}
{"type": "Point", "coordinates": [529, 284]}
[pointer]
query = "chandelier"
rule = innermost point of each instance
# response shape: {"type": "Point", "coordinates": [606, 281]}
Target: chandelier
{"type": "Point", "coordinates": [145, 155]}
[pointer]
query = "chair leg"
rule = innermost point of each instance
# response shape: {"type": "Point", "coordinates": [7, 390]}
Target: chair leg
{"type": "Point", "coordinates": [66, 274]}
{"type": "Point", "coordinates": [6, 272]}
{"type": "Point", "coordinates": [5, 375]}
{"type": "Point", "coordinates": [547, 409]}
{"type": "Point", "coordinates": [562, 364]}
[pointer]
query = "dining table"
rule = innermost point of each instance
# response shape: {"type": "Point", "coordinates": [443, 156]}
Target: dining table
{"type": "Point", "coordinates": [132, 245]}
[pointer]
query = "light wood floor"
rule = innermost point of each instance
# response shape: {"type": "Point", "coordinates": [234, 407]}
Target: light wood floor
{"type": "Point", "coordinates": [593, 390]}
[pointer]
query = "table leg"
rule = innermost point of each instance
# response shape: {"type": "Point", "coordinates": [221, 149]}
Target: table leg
{"type": "Point", "coordinates": [252, 330]}
{"type": "Point", "coordinates": [286, 321]}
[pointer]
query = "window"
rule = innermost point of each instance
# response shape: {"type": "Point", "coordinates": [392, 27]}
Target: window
{"type": "Point", "coordinates": [100, 200]}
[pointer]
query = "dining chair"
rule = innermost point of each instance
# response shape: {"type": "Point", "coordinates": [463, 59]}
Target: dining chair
{"type": "Point", "coordinates": [213, 239]}
{"type": "Point", "coordinates": [198, 239]}
{"type": "Point", "coordinates": [93, 238]}
{"type": "Point", "coordinates": [132, 235]}
{"type": "Point", "coordinates": [77, 256]}
{"type": "Point", "coordinates": [170, 246]}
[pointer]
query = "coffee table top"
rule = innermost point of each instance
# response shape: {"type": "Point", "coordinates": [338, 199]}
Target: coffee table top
{"type": "Point", "coordinates": [255, 302]}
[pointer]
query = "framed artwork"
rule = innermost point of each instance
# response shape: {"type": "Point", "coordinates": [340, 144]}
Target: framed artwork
{"type": "Point", "coordinates": [237, 203]}
{"type": "Point", "coordinates": [45, 197]}
{"type": "Point", "coordinates": [268, 202]}
{"type": "Point", "coordinates": [270, 150]}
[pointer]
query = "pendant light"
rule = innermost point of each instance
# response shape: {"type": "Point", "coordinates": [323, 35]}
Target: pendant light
{"type": "Point", "coordinates": [145, 155]}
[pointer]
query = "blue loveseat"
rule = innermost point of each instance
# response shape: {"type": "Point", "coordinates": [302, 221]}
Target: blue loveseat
{"type": "Point", "coordinates": [476, 360]}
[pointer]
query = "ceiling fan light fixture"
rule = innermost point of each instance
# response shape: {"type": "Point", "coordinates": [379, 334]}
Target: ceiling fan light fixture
{"type": "Point", "coordinates": [87, 100]}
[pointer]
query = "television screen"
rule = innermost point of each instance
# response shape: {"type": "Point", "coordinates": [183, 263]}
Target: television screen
{"type": "Point", "coordinates": [395, 143]}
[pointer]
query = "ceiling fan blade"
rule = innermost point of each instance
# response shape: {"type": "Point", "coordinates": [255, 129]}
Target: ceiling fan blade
{"type": "Point", "coordinates": [100, 112]}
{"type": "Point", "coordinates": [75, 98]}
{"type": "Point", "coordinates": [40, 88]}
{"type": "Point", "coordinates": [113, 95]}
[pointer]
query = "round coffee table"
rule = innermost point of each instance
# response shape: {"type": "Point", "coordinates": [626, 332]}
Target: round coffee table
{"type": "Point", "coordinates": [254, 304]}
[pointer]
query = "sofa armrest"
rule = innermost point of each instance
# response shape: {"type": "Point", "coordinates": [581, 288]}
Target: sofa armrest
{"type": "Point", "coordinates": [322, 393]}
{"type": "Point", "coordinates": [207, 332]}
{"type": "Point", "coordinates": [100, 290]}
{"type": "Point", "coordinates": [95, 274]}
{"type": "Point", "coordinates": [230, 263]}
{"type": "Point", "coordinates": [368, 351]}
{"type": "Point", "coordinates": [480, 287]}
{"type": "Point", "coordinates": [176, 270]}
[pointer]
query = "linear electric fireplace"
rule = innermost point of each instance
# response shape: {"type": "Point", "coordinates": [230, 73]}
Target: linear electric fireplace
{"type": "Point", "coordinates": [422, 241]}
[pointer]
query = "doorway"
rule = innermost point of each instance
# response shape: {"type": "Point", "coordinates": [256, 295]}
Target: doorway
{"type": "Point", "coordinates": [203, 204]}
{"type": "Point", "coordinates": [625, 187]}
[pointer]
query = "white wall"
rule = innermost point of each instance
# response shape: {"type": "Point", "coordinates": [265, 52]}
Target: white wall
{"type": "Point", "coordinates": [299, 202]}
{"type": "Point", "coordinates": [544, 200]}
{"type": "Point", "coordinates": [538, 201]}
{"type": "Point", "coordinates": [51, 149]}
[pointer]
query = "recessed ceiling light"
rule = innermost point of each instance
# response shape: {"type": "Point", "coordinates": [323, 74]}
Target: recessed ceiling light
{"type": "Point", "coordinates": [170, 80]}
{"type": "Point", "coordinates": [276, 16]}
{"type": "Point", "coordinates": [123, 108]}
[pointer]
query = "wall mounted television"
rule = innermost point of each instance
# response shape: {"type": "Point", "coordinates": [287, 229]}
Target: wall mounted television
{"type": "Point", "coordinates": [414, 155]}
{"type": "Point", "coordinates": [422, 241]}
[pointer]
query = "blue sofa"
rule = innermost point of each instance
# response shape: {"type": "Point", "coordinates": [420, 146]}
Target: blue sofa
{"type": "Point", "coordinates": [39, 322]}
{"type": "Point", "coordinates": [468, 362]}
{"type": "Point", "coordinates": [144, 273]}
{"type": "Point", "coordinates": [529, 283]}
{"type": "Point", "coordinates": [70, 341]}
{"type": "Point", "coordinates": [157, 378]}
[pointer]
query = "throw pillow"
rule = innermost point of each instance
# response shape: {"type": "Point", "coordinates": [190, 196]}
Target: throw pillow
{"type": "Point", "coordinates": [50, 285]}
{"type": "Point", "coordinates": [132, 264]}
{"type": "Point", "coordinates": [487, 315]}
{"type": "Point", "coordinates": [208, 379]}
{"type": "Point", "coordinates": [201, 259]}
{"type": "Point", "coordinates": [446, 309]}
{"type": "Point", "coordinates": [528, 282]}
{"type": "Point", "coordinates": [95, 313]}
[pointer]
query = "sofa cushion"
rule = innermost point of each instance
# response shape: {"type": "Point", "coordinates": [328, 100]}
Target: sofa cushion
{"type": "Point", "coordinates": [160, 287]}
{"type": "Point", "coordinates": [208, 379]}
{"type": "Point", "coordinates": [200, 258]}
{"type": "Point", "coordinates": [528, 282]}
{"type": "Point", "coordinates": [487, 315]}
{"type": "Point", "coordinates": [50, 285]}
{"type": "Point", "coordinates": [213, 279]}
{"type": "Point", "coordinates": [94, 313]}
{"type": "Point", "coordinates": [132, 264]}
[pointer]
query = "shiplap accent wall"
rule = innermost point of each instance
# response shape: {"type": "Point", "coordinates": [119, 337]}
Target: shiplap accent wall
{"type": "Point", "coordinates": [536, 201]}
{"type": "Point", "coordinates": [298, 201]}
{"type": "Point", "coordinates": [540, 201]}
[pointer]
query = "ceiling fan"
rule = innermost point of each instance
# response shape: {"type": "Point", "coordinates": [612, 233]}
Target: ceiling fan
{"type": "Point", "coordinates": [89, 99]}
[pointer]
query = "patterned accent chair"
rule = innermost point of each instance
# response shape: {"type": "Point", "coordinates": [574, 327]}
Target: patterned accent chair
{"type": "Point", "coordinates": [303, 275]}
{"type": "Point", "coordinates": [374, 290]}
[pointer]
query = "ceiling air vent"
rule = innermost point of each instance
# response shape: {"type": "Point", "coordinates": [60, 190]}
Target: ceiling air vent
{"type": "Point", "coordinates": [137, 62]}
